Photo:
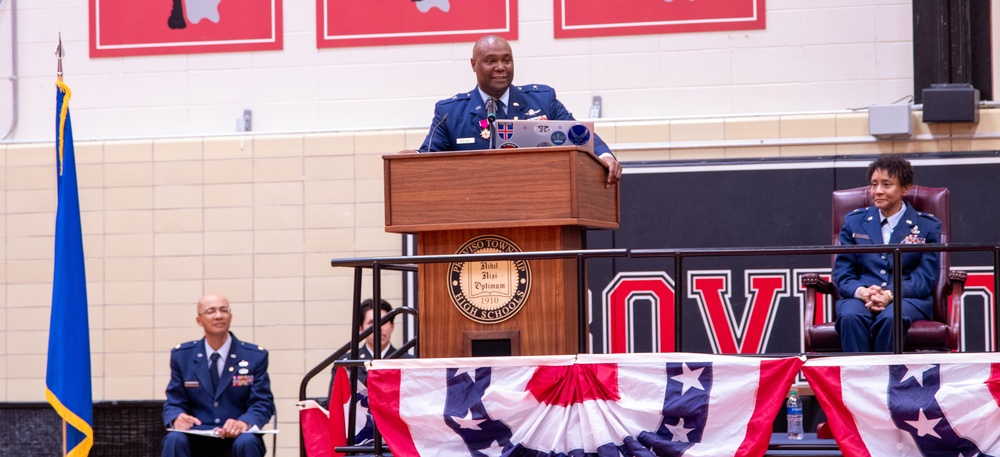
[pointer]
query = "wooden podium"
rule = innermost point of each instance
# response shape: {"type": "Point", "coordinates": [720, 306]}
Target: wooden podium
{"type": "Point", "coordinates": [528, 199]}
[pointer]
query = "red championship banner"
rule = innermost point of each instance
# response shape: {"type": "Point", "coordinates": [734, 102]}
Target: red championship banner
{"type": "Point", "coordinates": [130, 28]}
{"type": "Point", "coordinates": [590, 18]}
{"type": "Point", "coordinates": [388, 22]}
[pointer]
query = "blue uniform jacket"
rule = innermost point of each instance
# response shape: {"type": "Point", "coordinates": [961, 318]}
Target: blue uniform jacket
{"type": "Point", "coordinates": [244, 390]}
{"type": "Point", "coordinates": [456, 125]}
{"type": "Point", "coordinates": [920, 269]}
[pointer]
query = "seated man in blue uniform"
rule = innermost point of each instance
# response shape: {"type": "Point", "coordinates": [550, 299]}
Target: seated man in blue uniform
{"type": "Point", "coordinates": [458, 121]}
{"type": "Point", "coordinates": [864, 315]}
{"type": "Point", "coordinates": [217, 383]}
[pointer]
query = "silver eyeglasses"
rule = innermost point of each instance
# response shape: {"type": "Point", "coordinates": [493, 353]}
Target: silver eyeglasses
{"type": "Point", "coordinates": [213, 311]}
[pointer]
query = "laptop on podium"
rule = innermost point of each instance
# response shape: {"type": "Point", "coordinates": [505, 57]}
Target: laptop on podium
{"type": "Point", "coordinates": [537, 133]}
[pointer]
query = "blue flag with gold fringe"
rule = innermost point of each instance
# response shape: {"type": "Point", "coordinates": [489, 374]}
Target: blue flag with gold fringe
{"type": "Point", "coordinates": [67, 379]}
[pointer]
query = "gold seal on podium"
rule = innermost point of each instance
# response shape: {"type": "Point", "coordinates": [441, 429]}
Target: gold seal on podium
{"type": "Point", "coordinates": [491, 291]}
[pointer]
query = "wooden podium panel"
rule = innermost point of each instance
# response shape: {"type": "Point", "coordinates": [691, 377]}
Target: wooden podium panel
{"type": "Point", "coordinates": [538, 199]}
{"type": "Point", "coordinates": [548, 319]}
{"type": "Point", "coordinates": [498, 188]}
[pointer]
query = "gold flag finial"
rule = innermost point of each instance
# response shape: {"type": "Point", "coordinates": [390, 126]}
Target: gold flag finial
{"type": "Point", "coordinates": [59, 57]}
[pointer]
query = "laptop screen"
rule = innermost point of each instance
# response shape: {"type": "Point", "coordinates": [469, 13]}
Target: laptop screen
{"type": "Point", "coordinates": [544, 133]}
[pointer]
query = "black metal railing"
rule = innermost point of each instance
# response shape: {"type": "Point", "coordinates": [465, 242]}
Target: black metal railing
{"type": "Point", "coordinates": [409, 263]}
{"type": "Point", "coordinates": [896, 250]}
{"type": "Point", "coordinates": [353, 364]}
{"type": "Point", "coordinates": [376, 264]}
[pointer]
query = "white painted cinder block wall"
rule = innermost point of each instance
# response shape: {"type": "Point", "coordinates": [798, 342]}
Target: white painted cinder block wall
{"type": "Point", "coordinates": [171, 209]}
{"type": "Point", "coordinates": [813, 56]}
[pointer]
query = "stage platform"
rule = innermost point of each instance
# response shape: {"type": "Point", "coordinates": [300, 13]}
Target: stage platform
{"type": "Point", "coordinates": [810, 445]}
{"type": "Point", "coordinates": [781, 446]}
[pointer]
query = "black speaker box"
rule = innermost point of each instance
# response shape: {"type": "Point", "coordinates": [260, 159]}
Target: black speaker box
{"type": "Point", "coordinates": [951, 103]}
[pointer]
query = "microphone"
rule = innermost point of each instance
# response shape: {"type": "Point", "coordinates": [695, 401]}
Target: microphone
{"type": "Point", "coordinates": [491, 117]}
{"type": "Point", "coordinates": [430, 138]}
{"type": "Point", "coordinates": [491, 110]}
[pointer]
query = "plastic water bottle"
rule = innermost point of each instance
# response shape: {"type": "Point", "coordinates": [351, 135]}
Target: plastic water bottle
{"type": "Point", "coordinates": [794, 407]}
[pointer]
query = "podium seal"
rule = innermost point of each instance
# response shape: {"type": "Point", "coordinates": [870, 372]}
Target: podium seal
{"type": "Point", "coordinates": [493, 291]}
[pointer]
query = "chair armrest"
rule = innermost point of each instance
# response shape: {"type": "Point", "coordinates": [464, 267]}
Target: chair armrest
{"type": "Point", "coordinates": [814, 284]}
{"type": "Point", "coordinates": [956, 287]}
{"type": "Point", "coordinates": [817, 283]}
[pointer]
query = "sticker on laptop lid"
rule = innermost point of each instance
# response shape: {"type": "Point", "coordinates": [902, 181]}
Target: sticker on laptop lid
{"type": "Point", "coordinates": [543, 128]}
{"type": "Point", "coordinates": [558, 137]}
{"type": "Point", "coordinates": [579, 134]}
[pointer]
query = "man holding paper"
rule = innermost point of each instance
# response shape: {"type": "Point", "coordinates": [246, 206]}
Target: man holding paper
{"type": "Point", "coordinates": [220, 385]}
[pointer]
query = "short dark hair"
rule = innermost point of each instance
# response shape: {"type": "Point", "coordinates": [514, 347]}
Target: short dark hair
{"type": "Point", "coordinates": [369, 304]}
{"type": "Point", "coordinates": [895, 165]}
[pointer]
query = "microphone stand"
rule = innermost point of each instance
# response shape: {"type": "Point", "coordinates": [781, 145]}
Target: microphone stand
{"type": "Point", "coordinates": [430, 138]}
{"type": "Point", "coordinates": [493, 132]}
{"type": "Point", "coordinates": [491, 117]}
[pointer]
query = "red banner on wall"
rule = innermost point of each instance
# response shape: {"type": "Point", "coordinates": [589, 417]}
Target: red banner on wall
{"type": "Point", "coordinates": [129, 27]}
{"type": "Point", "coordinates": [387, 22]}
{"type": "Point", "coordinates": [589, 18]}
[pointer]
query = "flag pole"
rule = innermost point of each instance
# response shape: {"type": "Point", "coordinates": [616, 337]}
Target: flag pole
{"type": "Point", "coordinates": [68, 386]}
{"type": "Point", "coordinates": [60, 53]}
{"type": "Point", "coordinates": [59, 56]}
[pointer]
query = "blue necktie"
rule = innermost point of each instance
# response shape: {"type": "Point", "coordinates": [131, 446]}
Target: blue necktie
{"type": "Point", "coordinates": [213, 371]}
{"type": "Point", "coordinates": [501, 112]}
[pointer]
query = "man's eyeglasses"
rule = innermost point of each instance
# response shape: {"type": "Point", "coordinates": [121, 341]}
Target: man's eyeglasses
{"type": "Point", "coordinates": [213, 311]}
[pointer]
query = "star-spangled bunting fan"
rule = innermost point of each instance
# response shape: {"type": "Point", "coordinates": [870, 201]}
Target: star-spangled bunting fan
{"type": "Point", "coordinates": [636, 404]}
{"type": "Point", "coordinates": [911, 404]}
{"type": "Point", "coordinates": [324, 430]}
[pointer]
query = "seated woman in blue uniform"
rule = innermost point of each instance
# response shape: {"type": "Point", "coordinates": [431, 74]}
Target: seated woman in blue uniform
{"type": "Point", "coordinates": [864, 281]}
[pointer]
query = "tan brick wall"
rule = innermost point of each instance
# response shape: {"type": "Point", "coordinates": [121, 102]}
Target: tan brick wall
{"type": "Point", "coordinates": [255, 218]}
{"type": "Point", "coordinates": [258, 218]}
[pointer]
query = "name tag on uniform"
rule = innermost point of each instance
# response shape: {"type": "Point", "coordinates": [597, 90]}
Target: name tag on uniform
{"type": "Point", "coordinates": [861, 236]}
{"type": "Point", "coordinates": [243, 380]}
{"type": "Point", "coordinates": [191, 384]}
{"type": "Point", "coordinates": [465, 140]}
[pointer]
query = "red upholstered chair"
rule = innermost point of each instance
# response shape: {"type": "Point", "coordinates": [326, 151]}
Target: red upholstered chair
{"type": "Point", "coordinates": [940, 334]}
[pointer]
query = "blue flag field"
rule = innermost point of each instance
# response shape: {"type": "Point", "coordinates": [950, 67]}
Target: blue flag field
{"type": "Point", "coordinates": [67, 378]}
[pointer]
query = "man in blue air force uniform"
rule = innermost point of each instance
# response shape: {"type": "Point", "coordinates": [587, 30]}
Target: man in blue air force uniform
{"type": "Point", "coordinates": [864, 281]}
{"type": "Point", "coordinates": [460, 121]}
{"type": "Point", "coordinates": [217, 383]}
